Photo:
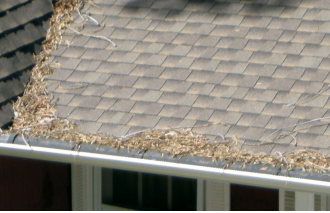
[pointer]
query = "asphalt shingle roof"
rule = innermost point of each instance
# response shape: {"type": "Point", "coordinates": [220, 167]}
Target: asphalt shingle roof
{"type": "Point", "coordinates": [248, 68]}
{"type": "Point", "coordinates": [22, 28]}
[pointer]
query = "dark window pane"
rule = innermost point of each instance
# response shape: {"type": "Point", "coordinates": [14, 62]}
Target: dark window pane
{"type": "Point", "coordinates": [154, 194]}
{"type": "Point", "coordinates": [250, 198]}
{"type": "Point", "coordinates": [107, 186]}
{"type": "Point", "coordinates": [125, 189]}
{"type": "Point", "coordinates": [184, 194]}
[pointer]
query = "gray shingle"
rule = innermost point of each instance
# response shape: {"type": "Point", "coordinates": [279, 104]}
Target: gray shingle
{"type": "Point", "coordinates": [85, 114]}
{"type": "Point", "coordinates": [115, 68]}
{"type": "Point", "coordinates": [175, 49]}
{"type": "Point", "coordinates": [255, 66]}
{"type": "Point", "coordinates": [212, 102]}
{"type": "Point", "coordinates": [199, 114]}
{"type": "Point", "coordinates": [146, 95]}
{"type": "Point", "coordinates": [176, 86]}
{"type": "Point", "coordinates": [175, 73]}
{"type": "Point", "coordinates": [260, 69]}
{"type": "Point", "coordinates": [267, 34]}
{"type": "Point", "coordinates": [150, 59]}
{"type": "Point", "coordinates": [129, 34]}
{"type": "Point", "coordinates": [121, 80]}
{"type": "Point", "coordinates": [257, 45]}
{"type": "Point", "coordinates": [205, 64]}
{"type": "Point", "coordinates": [226, 19]}
{"type": "Point", "coordinates": [114, 129]}
{"type": "Point", "coordinates": [302, 61]}
{"type": "Point", "coordinates": [225, 117]}
{"type": "Point", "coordinates": [177, 99]}
{"type": "Point", "coordinates": [231, 67]}
{"type": "Point", "coordinates": [200, 88]}
{"type": "Point", "coordinates": [230, 31]}
{"type": "Point", "coordinates": [224, 7]}
{"type": "Point", "coordinates": [147, 108]}
{"type": "Point", "coordinates": [174, 111]}
{"type": "Point", "coordinates": [178, 62]}
{"type": "Point", "coordinates": [84, 101]}
{"type": "Point", "coordinates": [148, 121]}
{"type": "Point", "coordinates": [105, 103]}
{"type": "Point", "coordinates": [285, 24]}
{"type": "Point", "coordinates": [246, 106]}
{"type": "Point", "coordinates": [147, 71]}
{"type": "Point", "coordinates": [118, 92]}
{"type": "Point", "coordinates": [198, 28]}
{"type": "Point", "coordinates": [206, 77]}
{"type": "Point", "coordinates": [233, 55]}
{"type": "Point", "coordinates": [148, 47]}
{"type": "Point", "coordinates": [125, 57]}
{"type": "Point", "coordinates": [254, 21]}
{"type": "Point", "coordinates": [115, 117]}
{"type": "Point", "coordinates": [262, 10]}
{"type": "Point", "coordinates": [162, 37]}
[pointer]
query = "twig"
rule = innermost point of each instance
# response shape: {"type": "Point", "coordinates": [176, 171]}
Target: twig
{"type": "Point", "coordinates": [307, 122]}
{"type": "Point", "coordinates": [78, 10]}
{"type": "Point", "coordinates": [311, 127]}
{"type": "Point", "coordinates": [209, 124]}
{"type": "Point", "coordinates": [93, 20]}
{"type": "Point", "coordinates": [26, 143]}
{"type": "Point", "coordinates": [222, 137]}
{"type": "Point", "coordinates": [93, 4]}
{"type": "Point", "coordinates": [73, 86]}
{"type": "Point", "coordinates": [93, 36]}
{"type": "Point", "coordinates": [283, 158]}
{"type": "Point", "coordinates": [319, 167]}
{"type": "Point", "coordinates": [294, 138]}
{"type": "Point", "coordinates": [133, 134]}
{"type": "Point", "coordinates": [318, 93]}
{"type": "Point", "coordinates": [98, 30]}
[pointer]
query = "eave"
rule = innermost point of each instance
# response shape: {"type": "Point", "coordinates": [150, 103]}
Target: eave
{"type": "Point", "coordinates": [154, 162]}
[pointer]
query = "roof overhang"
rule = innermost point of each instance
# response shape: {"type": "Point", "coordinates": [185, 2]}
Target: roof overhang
{"type": "Point", "coordinates": [154, 162]}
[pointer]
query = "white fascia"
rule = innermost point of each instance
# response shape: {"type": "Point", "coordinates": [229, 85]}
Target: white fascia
{"type": "Point", "coordinates": [165, 168]}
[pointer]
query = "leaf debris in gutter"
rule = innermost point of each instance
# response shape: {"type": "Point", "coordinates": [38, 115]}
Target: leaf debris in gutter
{"type": "Point", "coordinates": [36, 116]}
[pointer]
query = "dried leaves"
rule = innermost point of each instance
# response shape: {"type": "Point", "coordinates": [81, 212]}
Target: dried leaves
{"type": "Point", "coordinates": [36, 115]}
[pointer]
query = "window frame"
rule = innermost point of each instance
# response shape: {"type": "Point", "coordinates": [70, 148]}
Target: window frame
{"type": "Point", "coordinates": [108, 207]}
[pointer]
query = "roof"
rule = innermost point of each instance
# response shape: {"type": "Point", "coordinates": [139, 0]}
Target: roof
{"type": "Point", "coordinates": [245, 69]}
{"type": "Point", "coordinates": [22, 29]}
{"type": "Point", "coordinates": [246, 75]}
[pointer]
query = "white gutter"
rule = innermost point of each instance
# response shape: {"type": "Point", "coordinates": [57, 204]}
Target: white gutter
{"type": "Point", "coordinates": [166, 168]}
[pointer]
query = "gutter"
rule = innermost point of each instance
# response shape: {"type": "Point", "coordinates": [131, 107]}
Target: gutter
{"type": "Point", "coordinates": [161, 167]}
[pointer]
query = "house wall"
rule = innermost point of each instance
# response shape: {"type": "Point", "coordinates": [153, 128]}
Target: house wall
{"type": "Point", "coordinates": [215, 195]}
{"type": "Point", "coordinates": [33, 185]}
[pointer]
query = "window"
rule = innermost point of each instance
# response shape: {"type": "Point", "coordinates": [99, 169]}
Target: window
{"type": "Point", "coordinates": [144, 191]}
{"type": "Point", "coordinates": [250, 198]}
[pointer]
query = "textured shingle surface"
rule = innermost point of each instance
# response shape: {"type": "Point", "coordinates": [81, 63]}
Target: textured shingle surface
{"type": "Point", "coordinates": [246, 68]}
{"type": "Point", "coordinates": [22, 28]}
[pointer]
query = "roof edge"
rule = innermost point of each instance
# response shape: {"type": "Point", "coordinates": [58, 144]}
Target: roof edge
{"type": "Point", "coordinates": [160, 163]}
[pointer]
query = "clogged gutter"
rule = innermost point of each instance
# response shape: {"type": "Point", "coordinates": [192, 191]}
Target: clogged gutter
{"type": "Point", "coordinates": [36, 116]}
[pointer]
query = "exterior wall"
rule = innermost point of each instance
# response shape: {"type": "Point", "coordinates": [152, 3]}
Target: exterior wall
{"type": "Point", "coordinates": [211, 195]}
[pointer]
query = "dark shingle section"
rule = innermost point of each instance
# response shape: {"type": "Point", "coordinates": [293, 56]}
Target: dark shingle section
{"type": "Point", "coordinates": [22, 28]}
